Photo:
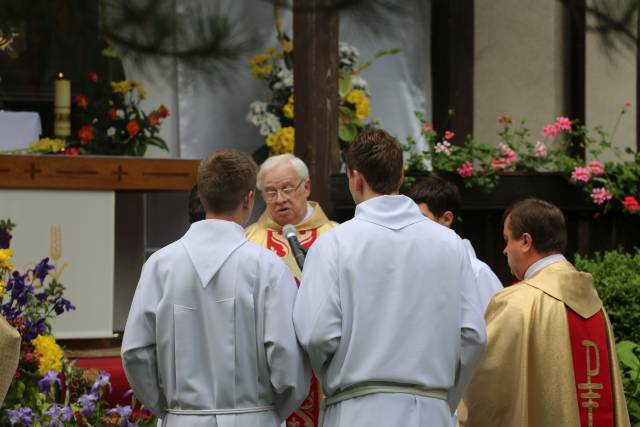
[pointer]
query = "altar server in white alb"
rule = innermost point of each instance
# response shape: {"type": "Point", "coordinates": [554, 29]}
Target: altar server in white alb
{"type": "Point", "coordinates": [439, 200]}
{"type": "Point", "coordinates": [210, 338]}
{"type": "Point", "coordinates": [387, 305]}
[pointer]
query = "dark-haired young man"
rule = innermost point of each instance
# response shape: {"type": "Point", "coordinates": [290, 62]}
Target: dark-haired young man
{"type": "Point", "coordinates": [439, 200]}
{"type": "Point", "coordinates": [210, 340]}
{"type": "Point", "coordinates": [386, 308]}
{"type": "Point", "coordinates": [551, 357]}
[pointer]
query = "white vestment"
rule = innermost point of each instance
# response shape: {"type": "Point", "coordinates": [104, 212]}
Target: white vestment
{"type": "Point", "coordinates": [488, 283]}
{"type": "Point", "coordinates": [211, 327]}
{"type": "Point", "coordinates": [390, 296]}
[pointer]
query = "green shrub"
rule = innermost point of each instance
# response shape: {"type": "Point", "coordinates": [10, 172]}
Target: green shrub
{"type": "Point", "coordinates": [628, 354]}
{"type": "Point", "coordinates": [617, 278]}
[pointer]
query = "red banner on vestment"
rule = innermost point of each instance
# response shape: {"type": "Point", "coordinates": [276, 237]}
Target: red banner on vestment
{"type": "Point", "coordinates": [591, 367]}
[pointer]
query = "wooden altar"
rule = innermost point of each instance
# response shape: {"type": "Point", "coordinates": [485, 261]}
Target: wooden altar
{"type": "Point", "coordinates": [113, 212]}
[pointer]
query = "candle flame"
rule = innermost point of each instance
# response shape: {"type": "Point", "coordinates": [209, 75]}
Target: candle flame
{"type": "Point", "coordinates": [60, 75]}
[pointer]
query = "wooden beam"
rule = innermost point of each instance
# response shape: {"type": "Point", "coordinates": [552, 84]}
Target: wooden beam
{"type": "Point", "coordinates": [315, 37]}
{"type": "Point", "coordinates": [575, 67]}
{"type": "Point", "coordinates": [452, 60]}
{"type": "Point", "coordinates": [97, 173]}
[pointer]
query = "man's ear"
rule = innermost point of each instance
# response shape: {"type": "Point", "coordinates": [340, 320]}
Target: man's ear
{"type": "Point", "coordinates": [447, 219]}
{"type": "Point", "coordinates": [247, 200]}
{"type": "Point", "coordinates": [358, 181]}
{"type": "Point", "coordinates": [527, 242]}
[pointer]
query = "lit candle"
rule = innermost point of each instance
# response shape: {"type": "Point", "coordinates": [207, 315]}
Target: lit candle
{"type": "Point", "coordinates": [61, 106]}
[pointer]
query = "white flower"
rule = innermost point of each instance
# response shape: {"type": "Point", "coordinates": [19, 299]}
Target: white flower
{"type": "Point", "coordinates": [120, 113]}
{"type": "Point", "coordinates": [285, 79]}
{"type": "Point", "coordinates": [347, 55]}
{"type": "Point", "coordinates": [94, 120]}
{"type": "Point", "coordinates": [111, 131]}
{"type": "Point", "coordinates": [257, 110]}
{"type": "Point", "coordinates": [269, 124]}
{"type": "Point", "coordinates": [358, 82]}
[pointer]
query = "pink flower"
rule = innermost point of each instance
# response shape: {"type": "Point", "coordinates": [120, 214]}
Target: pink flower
{"type": "Point", "coordinates": [465, 170]}
{"type": "Point", "coordinates": [541, 149]}
{"type": "Point", "coordinates": [627, 104]}
{"type": "Point", "coordinates": [443, 147]}
{"type": "Point", "coordinates": [448, 134]}
{"type": "Point", "coordinates": [595, 167]}
{"type": "Point", "coordinates": [550, 130]}
{"type": "Point", "coordinates": [427, 127]}
{"type": "Point", "coordinates": [508, 154]}
{"type": "Point", "coordinates": [600, 195]}
{"type": "Point", "coordinates": [580, 174]}
{"type": "Point", "coordinates": [563, 123]}
{"type": "Point", "coordinates": [499, 164]}
{"type": "Point", "coordinates": [503, 120]}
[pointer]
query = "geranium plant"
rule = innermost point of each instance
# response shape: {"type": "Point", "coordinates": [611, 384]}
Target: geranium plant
{"type": "Point", "coordinates": [607, 184]}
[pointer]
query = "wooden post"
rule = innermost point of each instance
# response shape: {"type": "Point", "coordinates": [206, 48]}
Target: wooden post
{"type": "Point", "coordinates": [575, 78]}
{"type": "Point", "coordinates": [452, 58]}
{"type": "Point", "coordinates": [315, 68]}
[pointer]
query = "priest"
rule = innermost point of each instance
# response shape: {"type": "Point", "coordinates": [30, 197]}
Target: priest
{"type": "Point", "coordinates": [285, 186]}
{"type": "Point", "coordinates": [551, 357]}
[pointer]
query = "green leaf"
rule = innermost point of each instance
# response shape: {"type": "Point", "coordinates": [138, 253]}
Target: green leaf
{"type": "Point", "coordinates": [345, 85]}
{"type": "Point", "coordinates": [158, 142]}
{"type": "Point", "coordinates": [347, 132]}
{"type": "Point", "coordinates": [626, 355]}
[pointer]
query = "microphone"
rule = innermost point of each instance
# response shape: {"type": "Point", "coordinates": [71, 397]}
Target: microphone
{"type": "Point", "coordinates": [289, 231]}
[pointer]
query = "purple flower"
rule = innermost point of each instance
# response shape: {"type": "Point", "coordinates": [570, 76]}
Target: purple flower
{"type": "Point", "coordinates": [127, 393]}
{"type": "Point", "coordinates": [42, 269]}
{"type": "Point", "coordinates": [21, 416]}
{"type": "Point", "coordinates": [63, 305]}
{"type": "Point", "coordinates": [58, 415]}
{"type": "Point", "coordinates": [50, 378]}
{"type": "Point", "coordinates": [5, 239]}
{"type": "Point", "coordinates": [101, 381]}
{"type": "Point", "coordinates": [88, 403]}
{"type": "Point", "coordinates": [122, 411]}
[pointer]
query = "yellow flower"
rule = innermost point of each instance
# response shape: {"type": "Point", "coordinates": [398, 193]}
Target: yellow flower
{"type": "Point", "coordinates": [46, 145]}
{"type": "Point", "coordinates": [362, 109]}
{"type": "Point", "coordinates": [260, 72]}
{"type": "Point", "coordinates": [50, 354]}
{"type": "Point", "coordinates": [1, 289]}
{"type": "Point", "coordinates": [271, 52]}
{"type": "Point", "coordinates": [122, 87]}
{"type": "Point", "coordinates": [355, 96]}
{"type": "Point", "coordinates": [142, 93]}
{"type": "Point", "coordinates": [287, 46]}
{"type": "Point", "coordinates": [287, 110]}
{"type": "Point", "coordinates": [5, 259]}
{"type": "Point", "coordinates": [281, 141]}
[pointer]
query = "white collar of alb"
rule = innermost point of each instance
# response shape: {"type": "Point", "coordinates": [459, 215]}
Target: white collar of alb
{"type": "Point", "coordinates": [542, 263]}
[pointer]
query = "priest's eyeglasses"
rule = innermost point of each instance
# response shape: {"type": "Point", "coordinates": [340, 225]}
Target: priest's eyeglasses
{"type": "Point", "coordinates": [271, 195]}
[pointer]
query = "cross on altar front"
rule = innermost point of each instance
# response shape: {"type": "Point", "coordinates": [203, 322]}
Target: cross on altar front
{"type": "Point", "coordinates": [120, 172]}
{"type": "Point", "coordinates": [33, 171]}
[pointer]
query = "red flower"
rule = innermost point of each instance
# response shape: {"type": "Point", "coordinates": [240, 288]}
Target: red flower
{"type": "Point", "coordinates": [112, 113]}
{"type": "Point", "coordinates": [17, 375]}
{"type": "Point", "coordinates": [133, 127]}
{"type": "Point", "coordinates": [81, 101]}
{"type": "Point", "coordinates": [163, 112]}
{"type": "Point", "coordinates": [71, 151]}
{"type": "Point", "coordinates": [630, 203]}
{"type": "Point", "coordinates": [153, 119]}
{"type": "Point", "coordinates": [93, 77]}
{"type": "Point", "coordinates": [85, 134]}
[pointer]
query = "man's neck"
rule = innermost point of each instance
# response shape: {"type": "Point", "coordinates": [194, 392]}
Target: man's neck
{"type": "Point", "coordinates": [540, 261]}
{"type": "Point", "coordinates": [236, 217]}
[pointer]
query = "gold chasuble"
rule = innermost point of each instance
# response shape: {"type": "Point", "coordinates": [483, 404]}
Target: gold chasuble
{"type": "Point", "coordinates": [268, 233]}
{"type": "Point", "coordinates": [550, 360]}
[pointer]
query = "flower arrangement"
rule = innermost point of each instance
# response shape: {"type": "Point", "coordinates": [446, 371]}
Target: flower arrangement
{"type": "Point", "coordinates": [275, 117]}
{"type": "Point", "coordinates": [606, 183]}
{"type": "Point", "coordinates": [110, 122]}
{"type": "Point", "coordinates": [47, 388]}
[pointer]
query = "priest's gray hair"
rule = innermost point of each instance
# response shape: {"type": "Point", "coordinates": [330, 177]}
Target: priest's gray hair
{"type": "Point", "coordinates": [297, 163]}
